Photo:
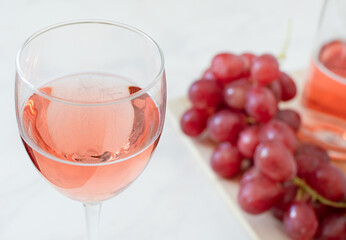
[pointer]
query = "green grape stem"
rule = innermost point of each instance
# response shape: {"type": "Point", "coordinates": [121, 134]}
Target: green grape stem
{"type": "Point", "coordinates": [282, 55]}
{"type": "Point", "coordinates": [303, 185]}
{"type": "Point", "coordinates": [250, 120]}
{"type": "Point", "coordinates": [299, 195]}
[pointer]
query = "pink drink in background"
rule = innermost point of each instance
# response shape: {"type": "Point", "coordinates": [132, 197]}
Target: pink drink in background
{"type": "Point", "coordinates": [325, 94]}
{"type": "Point", "coordinates": [325, 90]}
{"type": "Point", "coordinates": [92, 149]}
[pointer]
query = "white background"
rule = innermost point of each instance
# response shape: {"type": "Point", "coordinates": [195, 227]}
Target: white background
{"type": "Point", "coordinates": [173, 199]}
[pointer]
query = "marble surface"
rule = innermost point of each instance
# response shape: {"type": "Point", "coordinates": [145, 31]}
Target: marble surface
{"type": "Point", "coordinates": [173, 199]}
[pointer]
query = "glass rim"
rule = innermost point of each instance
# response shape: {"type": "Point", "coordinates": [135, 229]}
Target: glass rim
{"type": "Point", "coordinates": [38, 91]}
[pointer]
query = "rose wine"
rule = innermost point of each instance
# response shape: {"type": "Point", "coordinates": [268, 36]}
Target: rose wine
{"type": "Point", "coordinates": [325, 90]}
{"type": "Point", "coordinates": [82, 141]}
{"type": "Point", "coordinates": [324, 99]}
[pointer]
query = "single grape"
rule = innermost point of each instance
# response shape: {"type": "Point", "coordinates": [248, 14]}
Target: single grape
{"type": "Point", "coordinates": [265, 69]}
{"type": "Point", "coordinates": [275, 87]}
{"type": "Point", "coordinates": [309, 157]}
{"type": "Point", "coordinates": [227, 67]}
{"type": "Point", "coordinates": [249, 175]}
{"type": "Point", "coordinates": [208, 75]}
{"type": "Point", "coordinates": [248, 58]}
{"type": "Point", "coordinates": [329, 181]}
{"type": "Point", "coordinates": [248, 140]}
{"type": "Point", "coordinates": [300, 221]}
{"type": "Point", "coordinates": [259, 194]}
{"type": "Point", "coordinates": [225, 126]}
{"type": "Point", "coordinates": [333, 228]}
{"type": "Point", "coordinates": [260, 104]}
{"type": "Point", "coordinates": [194, 121]}
{"type": "Point", "coordinates": [226, 160]}
{"type": "Point", "coordinates": [289, 89]}
{"type": "Point", "coordinates": [307, 164]}
{"type": "Point", "coordinates": [314, 150]}
{"type": "Point", "coordinates": [205, 94]}
{"type": "Point", "coordinates": [276, 130]}
{"type": "Point", "coordinates": [234, 93]}
{"type": "Point", "coordinates": [290, 117]}
{"type": "Point", "coordinates": [289, 192]}
{"type": "Point", "coordinates": [322, 211]}
{"type": "Point", "coordinates": [275, 161]}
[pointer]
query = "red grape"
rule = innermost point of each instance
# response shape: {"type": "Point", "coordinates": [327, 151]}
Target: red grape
{"type": "Point", "coordinates": [300, 221]}
{"type": "Point", "coordinates": [260, 104]}
{"type": "Point", "coordinates": [308, 157]}
{"type": "Point", "coordinates": [307, 165]}
{"type": "Point", "coordinates": [265, 69]}
{"type": "Point", "coordinates": [227, 67]}
{"type": "Point", "coordinates": [290, 117]}
{"type": "Point", "coordinates": [277, 130]}
{"type": "Point", "coordinates": [234, 93]}
{"type": "Point", "coordinates": [248, 140]}
{"type": "Point", "coordinates": [194, 121]}
{"type": "Point", "coordinates": [208, 75]}
{"type": "Point", "coordinates": [289, 89]}
{"type": "Point", "coordinates": [248, 57]}
{"type": "Point", "coordinates": [322, 211]}
{"type": "Point", "coordinates": [205, 94]}
{"type": "Point", "coordinates": [275, 87]}
{"type": "Point", "coordinates": [275, 161]}
{"type": "Point", "coordinates": [333, 228]}
{"type": "Point", "coordinates": [249, 175]}
{"type": "Point", "coordinates": [258, 195]}
{"type": "Point", "coordinates": [225, 125]}
{"type": "Point", "coordinates": [226, 160]}
{"type": "Point", "coordinates": [329, 181]}
{"type": "Point", "coordinates": [313, 150]}
{"type": "Point", "coordinates": [289, 192]}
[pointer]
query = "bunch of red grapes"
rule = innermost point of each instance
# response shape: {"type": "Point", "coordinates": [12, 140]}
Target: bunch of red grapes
{"type": "Point", "coordinates": [235, 103]}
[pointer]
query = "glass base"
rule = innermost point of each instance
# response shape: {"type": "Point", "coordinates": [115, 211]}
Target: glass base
{"type": "Point", "coordinates": [326, 131]}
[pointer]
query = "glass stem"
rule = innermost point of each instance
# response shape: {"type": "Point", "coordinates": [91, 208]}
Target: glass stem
{"type": "Point", "coordinates": [92, 213]}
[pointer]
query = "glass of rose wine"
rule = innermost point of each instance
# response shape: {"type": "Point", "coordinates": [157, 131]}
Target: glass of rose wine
{"type": "Point", "coordinates": [324, 95]}
{"type": "Point", "coordinates": [90, 104]}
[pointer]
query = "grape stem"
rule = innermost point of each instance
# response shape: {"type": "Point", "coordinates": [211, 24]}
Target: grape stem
{"type": "Point", "coordinates": [250, 120]}
{"type": "Point", "coordinates": [300, 193]}
{"type": "Point", "coordinates": [302, 184]}
{"type": "Point", "coordinates": [282, 55]}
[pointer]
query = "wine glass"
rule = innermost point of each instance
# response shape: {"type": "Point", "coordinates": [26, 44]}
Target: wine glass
{"type": "Point", "coordinates": [324, 98]}
{"type": "Point", "coordinates": [90, 104]}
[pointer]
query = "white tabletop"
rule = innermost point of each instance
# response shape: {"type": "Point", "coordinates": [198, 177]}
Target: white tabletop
{"type": "Point", "coordinates": [173, 199]}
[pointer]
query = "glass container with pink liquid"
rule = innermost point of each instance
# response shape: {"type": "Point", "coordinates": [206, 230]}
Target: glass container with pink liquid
{"type": "Point", "coordinates": [324, 95]}
{"type": "Point", "coordinates": [90, 105]}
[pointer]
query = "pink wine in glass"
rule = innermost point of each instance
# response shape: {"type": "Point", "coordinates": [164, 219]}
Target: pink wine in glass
{"type": "Point", "coordinates": [325, 89]}
{"type": "Point", "coordinates": [324, 97]}
{"type": "Point", "coordinates": [91, 147]}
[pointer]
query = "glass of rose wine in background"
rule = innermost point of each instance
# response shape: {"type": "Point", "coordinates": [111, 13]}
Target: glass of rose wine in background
{"type": "Point", "coordinates": [90, 105]}
{"type": "Point", "coordinates": [324, 95]}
